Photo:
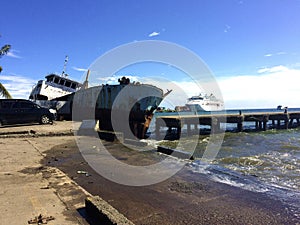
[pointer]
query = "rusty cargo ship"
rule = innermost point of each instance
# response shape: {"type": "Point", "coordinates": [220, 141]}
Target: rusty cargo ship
{"type": "Point", "coordinates": [125, 107]}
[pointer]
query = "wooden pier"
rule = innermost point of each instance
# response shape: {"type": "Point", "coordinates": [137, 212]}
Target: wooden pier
{"type": "Point", "coordinates": [263, 120]}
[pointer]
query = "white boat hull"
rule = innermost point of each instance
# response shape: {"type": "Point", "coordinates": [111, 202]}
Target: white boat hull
{"type": "Point", "coordinates": [54, 87]}
{"type": "Point", "coordinates": [200, 103]}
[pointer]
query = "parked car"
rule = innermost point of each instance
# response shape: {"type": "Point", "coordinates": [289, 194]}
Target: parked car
{"type": "Point", "coordinates": [18, 111]}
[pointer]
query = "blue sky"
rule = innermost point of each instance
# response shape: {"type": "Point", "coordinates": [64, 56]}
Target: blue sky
{"type": "Point", "coordinates": [251, 46]}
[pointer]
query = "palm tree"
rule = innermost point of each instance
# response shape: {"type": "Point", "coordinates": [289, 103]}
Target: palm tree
{"type": "Point", "coordinates": [3, 91]}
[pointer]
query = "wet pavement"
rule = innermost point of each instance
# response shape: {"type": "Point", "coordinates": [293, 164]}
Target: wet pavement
{"type": "Point", "coordinates": [185, 198]}
{"type": "Point", "coordinates": [40, 174]}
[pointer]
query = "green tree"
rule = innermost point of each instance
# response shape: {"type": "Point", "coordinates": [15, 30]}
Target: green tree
{"type": "Point", "coordinates": [3, 91]}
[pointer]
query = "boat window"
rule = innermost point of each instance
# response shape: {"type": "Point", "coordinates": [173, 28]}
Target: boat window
{"type": "Point", "coordinates": [41, 97]}
{"type": "Point", "coordinates": [196, 98]}
{"type": "Point", "coordinates": [68, 84]}
{"type": "Point", "coordinates": [73, 86]}
{"type": "Point", "coordinates": [56, 80]}
{"type": "Point", "coordinates": [62, 81]}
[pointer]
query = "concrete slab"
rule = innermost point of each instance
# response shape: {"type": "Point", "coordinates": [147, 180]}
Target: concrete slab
{"type": "Point", "coordinates": [29, 189]}
{"type": "Point", "coordinates": [104, 212]}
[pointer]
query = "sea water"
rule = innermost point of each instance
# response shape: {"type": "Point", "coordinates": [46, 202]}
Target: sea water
{"type": "Point", "coordinates": [264, 161]}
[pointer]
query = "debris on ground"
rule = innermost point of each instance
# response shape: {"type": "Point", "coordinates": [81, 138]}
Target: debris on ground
{"type": "Point", "coordinates": [40, 219]}
{"type": "Point", "coordinates": [83, 172]}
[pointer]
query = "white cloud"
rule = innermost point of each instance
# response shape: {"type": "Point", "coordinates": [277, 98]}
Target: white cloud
{"type": "Point", "coordinates": [79, 69]}
{"type": "Point", "coordinates": [273, 69]}
{"type": "Point", "coordinates": [281, 53]}
{"type": "Point", "coordinates": [13, 54]}
{"type": "Point", "coordinates": [267, 88]}
{"type": "Point", "coordinates": [274, 86]}
{"type": "Point", "coordinates": [153, 34]}
{"type": "Point", "coordinates": [268, 55]}
{"type": "Point", "coordinates": [273, 54]}
{"type": "Point", "coordinates": [18, 86]}
{"type": "Point", "coordinates": [227, 28]}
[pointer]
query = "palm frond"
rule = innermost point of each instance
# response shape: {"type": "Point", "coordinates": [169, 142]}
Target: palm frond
{"type": "Point", "coordinates": [4, 92]}
{"type": "Point", "coordinates": [4, 50]}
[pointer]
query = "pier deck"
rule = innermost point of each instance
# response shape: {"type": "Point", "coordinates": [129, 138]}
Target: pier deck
{"type": "Point", "coordinates": [280, 120]}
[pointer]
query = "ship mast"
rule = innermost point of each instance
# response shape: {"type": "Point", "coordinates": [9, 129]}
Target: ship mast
{"type": "Point", "coordinates": [63, 74]}
{"type": "Point", "coordinates": [86, 82]}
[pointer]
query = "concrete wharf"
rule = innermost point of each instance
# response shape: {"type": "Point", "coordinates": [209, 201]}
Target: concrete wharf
{"type": "Point", "coordinates": [262, 120]}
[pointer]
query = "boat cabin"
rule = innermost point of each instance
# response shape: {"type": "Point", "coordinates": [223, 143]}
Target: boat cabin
{"type": "Point", "coordinates": [56, 79]}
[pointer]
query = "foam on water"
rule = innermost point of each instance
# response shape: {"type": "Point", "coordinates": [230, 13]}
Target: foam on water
{"type": "Point", "coordinates": [227, 176]}
{"type": "Point", "coordinates": [290, 197]}
{"type": "Point", "coordinates": [266, 162]}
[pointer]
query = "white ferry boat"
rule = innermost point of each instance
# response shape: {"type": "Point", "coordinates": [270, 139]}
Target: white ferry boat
{"type": "Point", "coordinates": [204, 102]}
{"type": "Point", "coordinates": [54, 86]}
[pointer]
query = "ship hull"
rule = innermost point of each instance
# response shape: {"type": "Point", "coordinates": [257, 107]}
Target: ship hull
{"type": "Point", "coordinates": [126, 108]}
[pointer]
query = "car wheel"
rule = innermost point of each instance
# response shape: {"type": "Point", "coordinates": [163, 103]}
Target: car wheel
{"type": "Point", "coordinates": [45, 119]}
